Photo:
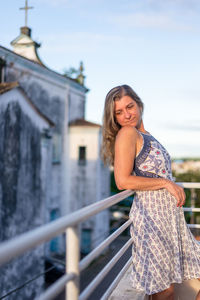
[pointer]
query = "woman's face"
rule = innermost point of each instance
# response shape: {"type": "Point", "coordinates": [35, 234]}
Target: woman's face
{"type": "Point", "coordinates": [128, 112]}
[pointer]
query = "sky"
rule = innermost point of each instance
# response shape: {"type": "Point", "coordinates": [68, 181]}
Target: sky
{"type": "Point", "coordinates": [151, 45]}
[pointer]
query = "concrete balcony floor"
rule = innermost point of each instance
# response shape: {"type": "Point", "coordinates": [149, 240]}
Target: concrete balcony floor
{"type": "Point", "coordinates": [184, 291]}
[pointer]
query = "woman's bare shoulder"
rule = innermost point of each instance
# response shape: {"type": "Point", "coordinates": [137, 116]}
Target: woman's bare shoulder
{"type": "Point", "coordinates": [127, 132]}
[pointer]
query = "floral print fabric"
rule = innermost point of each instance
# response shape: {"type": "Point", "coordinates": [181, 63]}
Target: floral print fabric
{"type": "Point", "coordinates": [164, 249]}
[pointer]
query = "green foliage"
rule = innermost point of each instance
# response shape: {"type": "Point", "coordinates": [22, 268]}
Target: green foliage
{"type": "Point", "coordinates": [113, 187]}
{"type": "Point", "coordinates": [71, 72]}
{"type": "Point", "coordinates": [114, 190]}
{"type": "Point", "coordinates": [190, 176]}
{"type": "Point", "coordinates": [186, 158]}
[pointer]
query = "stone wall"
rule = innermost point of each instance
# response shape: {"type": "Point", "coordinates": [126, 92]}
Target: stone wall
{"type": "Point", "coordinates": [21, 200]}
{"type": "Point", "coordinates": [76, 106]}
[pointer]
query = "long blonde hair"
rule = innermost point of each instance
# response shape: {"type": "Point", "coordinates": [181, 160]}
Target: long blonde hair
{"type": "Point", "coordinates": [110, 126]}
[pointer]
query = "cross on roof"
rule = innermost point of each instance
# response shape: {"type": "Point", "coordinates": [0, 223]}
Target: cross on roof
{"type": "Point", "coordinates": [26, 8]}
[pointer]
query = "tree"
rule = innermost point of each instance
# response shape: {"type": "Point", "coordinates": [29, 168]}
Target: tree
{"type": "Point", "coordinates": [71, 72]}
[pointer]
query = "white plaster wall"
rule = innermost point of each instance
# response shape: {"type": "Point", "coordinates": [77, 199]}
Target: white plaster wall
{"type": "Point", "coordinates": [84, 136]}
{"type": "Point", "coordinates": [65, 170]}
{"type": "Point", "coordinates": [46, 172]}
{"type": "Point", "coordinates": [83, 178]}
{"type": "Point", "coordinates": [49, 84]}
{"type": "Point", "coordinates": [15, 95]}
{"type": "Point", "coordinates": [76, 105]}
{"type": "Point", "coordinates": [54, 183]}
{"type": "Point", "coordinates": [29, 210]}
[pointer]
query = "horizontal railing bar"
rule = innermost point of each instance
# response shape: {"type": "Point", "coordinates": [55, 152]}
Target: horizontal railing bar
{"type": "Point", "coordinates": [56, 288]}
{"type": "Point", "coordinates": [58, 261]}
{"type": "Point", "coordinates": [30, 239]}
{"type": "Point", "coordinates": [194, 225]}
{"type": "Point", "coordinates": [97, 251]}
{"type": "Point", "coordinates": [194, 209]}
{"type": "Point", "coordinates": [93, 284]}
{"type": "Point", "coordinates": [190, 185]}
{"type": "Point", "coordinates": [117, 280]}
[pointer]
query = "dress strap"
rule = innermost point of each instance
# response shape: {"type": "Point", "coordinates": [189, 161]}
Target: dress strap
{"type": "Point", "coordinates": [142, 144]}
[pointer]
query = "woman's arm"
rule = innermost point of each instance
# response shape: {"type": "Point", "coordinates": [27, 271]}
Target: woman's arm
{"type": "Point", "coordinates": [125, 152]}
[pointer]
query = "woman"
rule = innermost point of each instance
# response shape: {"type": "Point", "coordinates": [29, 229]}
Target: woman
{"type": "Point", "coordinates": [164, 250]}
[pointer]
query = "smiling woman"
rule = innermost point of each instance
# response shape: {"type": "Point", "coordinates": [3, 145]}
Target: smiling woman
{"type": "Point", "coordinates": [164, 250]}
{"type": "Point", "coordinates": [117, 114]}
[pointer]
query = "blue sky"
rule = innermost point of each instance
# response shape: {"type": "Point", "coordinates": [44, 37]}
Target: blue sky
{"type": "Point", "coordinates": [152, 45]}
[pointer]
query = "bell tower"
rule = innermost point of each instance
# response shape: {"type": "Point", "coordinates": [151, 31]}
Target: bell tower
{"type": "Point", "coordinates": [24, 45]}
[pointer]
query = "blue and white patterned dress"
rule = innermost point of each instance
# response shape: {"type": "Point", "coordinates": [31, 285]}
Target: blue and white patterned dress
{"type": "Point", "coordinates": [164, 249]}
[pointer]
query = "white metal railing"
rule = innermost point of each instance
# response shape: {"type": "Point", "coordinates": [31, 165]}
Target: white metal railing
{"type": "Point", "coordinates": [69, 224]}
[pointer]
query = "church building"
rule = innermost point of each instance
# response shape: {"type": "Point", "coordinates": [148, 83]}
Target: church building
{"type": "Point", "coordinates": [49, 159]}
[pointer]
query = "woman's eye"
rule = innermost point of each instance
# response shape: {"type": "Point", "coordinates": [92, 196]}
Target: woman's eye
{"type": "Point", "coordinates": [118, 113]}
{"type": "Point", "coordinates": [130, 106]}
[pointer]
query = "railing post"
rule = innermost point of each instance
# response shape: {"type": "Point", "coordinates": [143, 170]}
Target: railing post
{"type": "Point", "coordinates": [193, 196]}
{"type": "Point", "coordinates": [72, 262]}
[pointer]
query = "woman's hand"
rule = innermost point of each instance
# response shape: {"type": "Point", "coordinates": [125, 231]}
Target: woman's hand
{"type": "Point", "coordinates": [177, 191]}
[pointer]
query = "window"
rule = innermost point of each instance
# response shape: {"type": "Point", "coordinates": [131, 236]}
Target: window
{"type": "Point", "coordinates": [82, 156]}
{"type": "Point", "coordinates": [86, 236]}
{"type": "Point", "coordinates": [54, 243]}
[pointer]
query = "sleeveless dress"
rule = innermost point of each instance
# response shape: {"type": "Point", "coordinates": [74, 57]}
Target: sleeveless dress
{"type": "Point", "coordinates": [164, 249]}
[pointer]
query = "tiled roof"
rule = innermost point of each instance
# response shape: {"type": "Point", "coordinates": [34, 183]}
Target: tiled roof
{"type": "Point", "coordinates": [83, 122]}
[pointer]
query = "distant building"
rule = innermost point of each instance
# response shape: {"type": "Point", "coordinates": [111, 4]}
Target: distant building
{"type": "Point", "coordinates": [184, 166]}
{"type": "Point", "coordinates": [89, 180]}
{"type": "Point", "coordinates": [48, 169]}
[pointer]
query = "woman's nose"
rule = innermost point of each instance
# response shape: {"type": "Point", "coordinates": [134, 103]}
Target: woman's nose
{"type": "Point", "coordinates": [127, 115]}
